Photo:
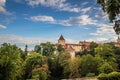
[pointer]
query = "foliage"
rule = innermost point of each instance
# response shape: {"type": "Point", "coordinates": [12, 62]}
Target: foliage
{"type": "Point", "coordinates": [39, 74]}
{"type": "Point", "coordinates": [90, 75]}
{"type": "Point", "coordinates": [114, 76]}
{"type": "Point", "coordinates": [110, 76]}
{"type": "Point", "coordinates": [117, 56]}
{"type": "Point", "coordinates": [111, 7]}
{"type": "Point", "coordinates": [33, 62]}
{"type": "Point", "coordinates": [88, 65]}
{"type": "Point", "coordinates": [72, 69]}
{"type": "Point", "coordinates": [37, 49]}
{"type": "Point", "coordinates": [117, 27]}
{"type": "Point", "coordinates": [57, 63]}
{"type": "Point", "coordinates": [103, 76]}
{"type": "Point", "coordinates": [106, 68]}
{"type": "Point", "coordinates": [10, 62]}
{"type": "Point", "coordinates": [93, 45]}
{"type": "Point", "coordinates": [46, 49]}
{"type": "Point", "coordinates": [106, 52]}
{"type": "Point", "coordinates": [60, 49]}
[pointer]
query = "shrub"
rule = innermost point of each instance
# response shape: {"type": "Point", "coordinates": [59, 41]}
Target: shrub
{"type": "Point", "coordinates": [90, 75]}
{"type": "Point", "coordinates": [103, 76]}
{"type": "Point", "coordinates": [110, 76]}
{"type": "Point", "coordinates": [114, 76]}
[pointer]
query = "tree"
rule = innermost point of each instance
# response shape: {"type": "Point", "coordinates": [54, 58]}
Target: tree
{"type": "Point", "coordinates": [112, 7]}
{"type": "Point", "coordinates": [117, 56]}
{"type": "Point", "coordinates": [60, 49]}
{"type": "Point", "coordinates": [33, 63]}
{"type": "Point", "coordinates": [46, 49]}
{"type": "Point", "coordinates": [26, 50]}
{"type": "Point", "coordinates": [57, 64]}
{"type": "Point", "coordinates": [106, 52]}
{"type": "Point", "coordinates": [106, 68]}
{"type": "Point", "coordinates": [37, 49]}
{"type": "Point", "coordinates": [72, 68]}
{"type": "Point", "coordinates": [10, 62]}
{"type": "Point", "coordinates": [93, 45]}
{"type": "Point", "coordinates": [88, 65]}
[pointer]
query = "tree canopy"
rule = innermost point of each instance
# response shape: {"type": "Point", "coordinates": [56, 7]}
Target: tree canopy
{"type": "Point", "coordinates": [112, 8]}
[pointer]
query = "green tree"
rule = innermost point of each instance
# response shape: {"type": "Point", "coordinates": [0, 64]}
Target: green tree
{"type": "Point", "coordinates": [33, 62]}
{"type": "Point", "coordinates": [60, 49]}
{"type": "Point", "coordinates": [117, 56]}
{"type": "Point", "coordinates": [88, 65]}
{"type": "Point", "coordinates": [10, 62]}
{"type": "Point", "coordinates": [46, 49]}
{"type": "Point", "coordinates": [26, 50]}
{"type": "Point", "coordinates": [37, 49]}
{"type": "Point", "coordinates": [57, 64]}
{"type": "Point", "coordinates": [105, 68]}
{"type": "Point", "coordinates": [93, 45]}
{"type": "Point", "coordinates": [112, 7]}
{"type": "Point", "coordinates": [106, 52]}
{"type": "Point", "coordinates": [72, 68]}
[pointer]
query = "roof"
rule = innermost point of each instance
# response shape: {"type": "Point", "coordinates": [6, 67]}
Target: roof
{"type": "Point", "coordinates": [61, 38]}
{"type": "Point", "coordinates": [70, 48]}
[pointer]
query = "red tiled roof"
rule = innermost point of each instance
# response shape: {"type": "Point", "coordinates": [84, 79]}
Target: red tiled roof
{"type": "Point", "coordinates": [70, 48]}
{"type": "Point", "coordinates": [61, 38]}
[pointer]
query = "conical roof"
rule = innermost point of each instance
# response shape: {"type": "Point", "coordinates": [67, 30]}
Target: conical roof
{"type": "Point", "coordinates": [61, 38]}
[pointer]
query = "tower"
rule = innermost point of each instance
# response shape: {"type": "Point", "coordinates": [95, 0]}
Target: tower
{"type": "Point", "coordinates": [118, 40]}
{"type": "Point", "coordinates": [61, 40]}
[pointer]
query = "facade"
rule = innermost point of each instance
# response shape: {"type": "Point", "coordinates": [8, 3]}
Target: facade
{"type": "Point", "coordinates": [73, 48]}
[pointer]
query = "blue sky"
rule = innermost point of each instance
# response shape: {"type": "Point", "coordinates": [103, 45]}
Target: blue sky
{"type": "Point", "coordinates": [34, 21]}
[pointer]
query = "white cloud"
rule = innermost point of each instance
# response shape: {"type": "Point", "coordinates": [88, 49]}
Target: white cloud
{"type": "Point", "coordinates": [2, 26]}
{"type": "Point", "coordinates": [2, 7]}
{"type": "Point", "coordinates": [31, 42]}
{"type": "Point", "coordinates": [42, 18]}
{"type": "Point", "coordinates": [84, 10]}
{"type": "Point", "coordinates": [104, 29]}
{"type": "Point", "coordinates": [22, 41]}
{"type": "Point", "coordinates": [58, 4]}
{"type": "Point", "coordinates": [84, 3]}
{"type": "Point", "coordinates": [81, 20]}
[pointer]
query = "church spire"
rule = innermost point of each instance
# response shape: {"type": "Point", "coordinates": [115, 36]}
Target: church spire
{"type": "Point", "coordinates": [61, 40]}
{"type": "Point", "coordinates": [118, 40]}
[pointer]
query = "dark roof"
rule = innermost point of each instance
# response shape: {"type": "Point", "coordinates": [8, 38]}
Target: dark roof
{"type": "Point", "coordinates": [61, 38]}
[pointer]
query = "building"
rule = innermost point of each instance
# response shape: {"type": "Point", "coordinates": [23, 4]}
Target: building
{"type": "Point", "coordinates": [73, 48]}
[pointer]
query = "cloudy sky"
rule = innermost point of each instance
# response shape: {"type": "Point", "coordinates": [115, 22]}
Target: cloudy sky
{"type": "Point", "coordinates": [34, 21]}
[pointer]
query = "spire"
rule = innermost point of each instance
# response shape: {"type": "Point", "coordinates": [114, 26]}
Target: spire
{"type": "Point", "coordinates": [61, 38]}
{"type": "Point", "coordinates": [118, 40]}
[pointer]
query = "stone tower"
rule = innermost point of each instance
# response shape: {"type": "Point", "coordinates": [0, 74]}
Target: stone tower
{"type": "Point", "coordinates": [61, 40]}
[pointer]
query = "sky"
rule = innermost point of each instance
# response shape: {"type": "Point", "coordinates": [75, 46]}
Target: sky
{"type": "Point", "coordinates": [32, 22]}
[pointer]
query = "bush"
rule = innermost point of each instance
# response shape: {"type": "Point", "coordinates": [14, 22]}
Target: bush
{"type": "Point", "coordinates": [110, 76]}
{"type": "Point", "coordinates": [114, 76]}
{"type": "Point", "coordinates": [103, 76]}
{"type": "Point", "coordinates": [90, 75]}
